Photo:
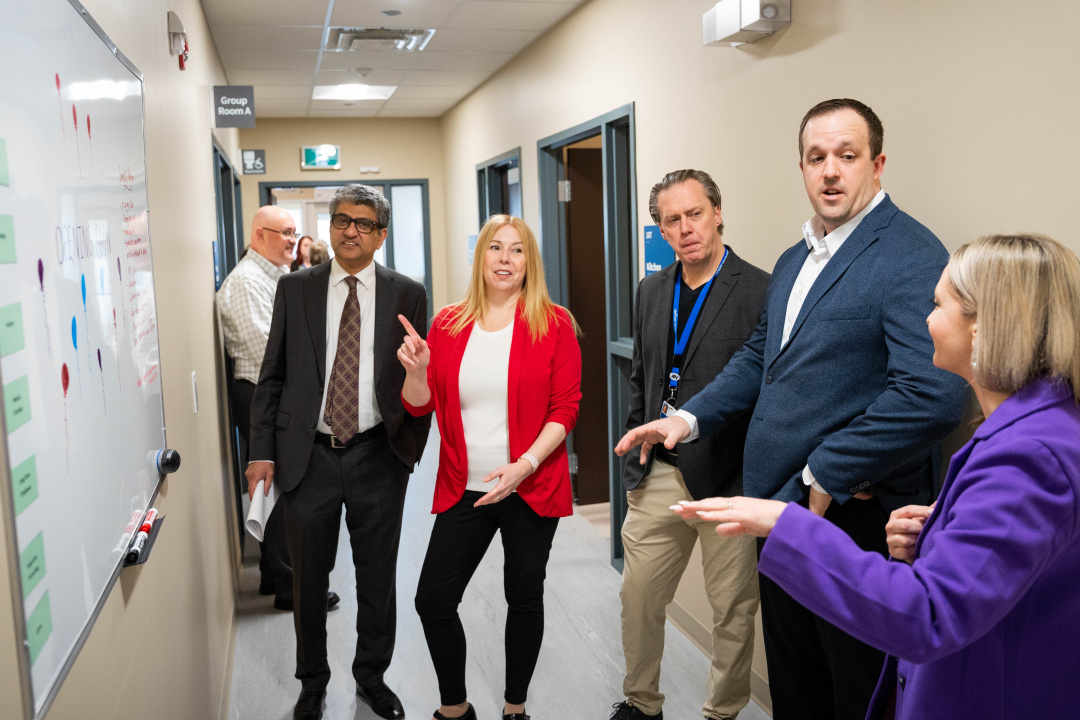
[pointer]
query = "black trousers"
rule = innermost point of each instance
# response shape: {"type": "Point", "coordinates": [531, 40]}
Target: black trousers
{"type": "Point", "coordinates": [370, 481]}
{"type": "Point", "coordinates": [458, 542]}
{"type": "Point", "coordinates": [274, 564]}
{"type": "Point", "coordinates": [816, 670]}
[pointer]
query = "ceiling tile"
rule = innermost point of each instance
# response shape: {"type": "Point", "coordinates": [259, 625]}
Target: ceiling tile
{"type": "Point", "coordinates": [472, 40]}
{"type": "Point", "coordinates": [414, 13]}
{"type": "Point", "coordinates": [387, 60]}
{"type": "Point", "coordinates": [339, 105]}
{"type": "Point", "coordinates": [432, 93]}
{"type": "Point", "coordinates": [433, 104]}
{"type": "Point", "coordinates": [375, 77]}
{"type": "Point", "coordinates": [268, 59]}
{"type": "Point", "coordinates": [272, 114]}
{"type": "Point", "coordinates": [489, 62]}
{"type": "Point", "coordinates": [281, 92]}
{"type": "Point", "coordinates": [267, 12]}
{"type": "Point", "coordinates": [412, 113]}
{"type": "Point", "coordinates": [439, 78]}
{"type": "Point", "coordinates": [342, 113]}
{"type": "Point", "coordinates": [478, 14]}
{"type": "Point", "coordinates": [267, 37]}
{"type": "Point", "coordinates": [271, 77]}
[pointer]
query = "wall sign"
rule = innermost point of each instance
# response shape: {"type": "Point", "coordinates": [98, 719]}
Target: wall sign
{"type": "Point", "coordinates": [320, 157]}
{"type": "Point", "coordinates": [658, 254]}
{"type": "Point", "coordinates": [234, 106]}
{"type": "Point", "coordinates": [254, 162]}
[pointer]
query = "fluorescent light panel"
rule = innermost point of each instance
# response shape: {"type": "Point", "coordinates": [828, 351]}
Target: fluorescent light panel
{"type": "Point", "coordinates": [353, 91]}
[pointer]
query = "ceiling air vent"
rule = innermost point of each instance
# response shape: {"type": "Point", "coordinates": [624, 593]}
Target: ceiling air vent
{"type": "Point", "coordinates": [369, 39]}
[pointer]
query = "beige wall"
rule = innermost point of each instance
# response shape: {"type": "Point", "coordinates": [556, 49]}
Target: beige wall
{"type": "Point", "coordinates": [402, 148]}
{"type": "Point", "coordinates": [183, 597]}
{"type": "Point", "coordinates": [979, 112]}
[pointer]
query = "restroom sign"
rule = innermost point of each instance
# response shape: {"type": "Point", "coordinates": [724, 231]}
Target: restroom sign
{"type": "Point", "coordinates": [254, 161]}
{"type": "Point", "coordinates": [234, 106]}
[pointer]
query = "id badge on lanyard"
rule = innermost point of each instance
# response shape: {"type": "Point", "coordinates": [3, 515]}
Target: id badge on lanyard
{"type": "Point", "coordinates": [668, 408]}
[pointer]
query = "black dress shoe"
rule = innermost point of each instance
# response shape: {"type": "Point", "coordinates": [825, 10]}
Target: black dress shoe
{"type": "Point", "coordinates": [266, 587]}
{"type": "Point", "coordinates": [515, 716]}
{"type": "Point", "coordinates": [286, 604]}
{"type": "Point", "coordinates": [470, 714]}
{"type": "Point", "coordinates": [625, 711]}
{"type": "Point", "coordinates": [309, 706]}
{"type": "Point", "coordinates": [382, 701]}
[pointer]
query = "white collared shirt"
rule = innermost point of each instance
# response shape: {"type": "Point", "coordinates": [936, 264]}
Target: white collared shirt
{"type": "Point", "coordinates": [336, 294]}
{"type": "Point", "coordinates": [822, 248]}
{"type": "Point", "coordinates": [246, 304]}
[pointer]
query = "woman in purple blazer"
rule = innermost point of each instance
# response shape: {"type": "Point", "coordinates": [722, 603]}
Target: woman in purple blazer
{"type": "Point", "coordinates": [982, 619]}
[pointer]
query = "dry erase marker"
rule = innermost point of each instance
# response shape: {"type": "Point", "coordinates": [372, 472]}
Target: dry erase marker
{"type": "Point", "coordinates": [140, 539]}
{"type": "Point", "coordinates": [129, 531]}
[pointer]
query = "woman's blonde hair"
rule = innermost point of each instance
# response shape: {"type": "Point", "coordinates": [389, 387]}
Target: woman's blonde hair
{"type": "Point", "coordinates": [1024, 291]}
{"type": "Point", "coordinates": [535, 303]}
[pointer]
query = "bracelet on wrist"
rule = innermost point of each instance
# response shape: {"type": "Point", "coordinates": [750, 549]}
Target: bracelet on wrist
{"type": "Point", "coordinates": [531, 460]}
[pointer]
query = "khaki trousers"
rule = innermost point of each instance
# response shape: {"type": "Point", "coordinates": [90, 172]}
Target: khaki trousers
{"type": "Point", "coordinates": [657, 545]}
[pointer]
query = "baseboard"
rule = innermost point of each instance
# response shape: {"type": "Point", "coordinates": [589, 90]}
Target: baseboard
{"type": "Point", "coordinates": [226, 690]}
{"type": "Point", "coordinates": [701, 636]}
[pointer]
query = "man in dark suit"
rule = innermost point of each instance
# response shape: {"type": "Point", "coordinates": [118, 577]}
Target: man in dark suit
{"type": "Point", "coordinates": [847, 405]}
{"type": "Point", "coordinates": [328, 423]}
{"type": "Point", "coordinates": [690, 318]}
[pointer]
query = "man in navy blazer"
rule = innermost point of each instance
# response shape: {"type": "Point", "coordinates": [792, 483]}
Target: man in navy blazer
{"type": "Point", "coordinates": [847, 407]}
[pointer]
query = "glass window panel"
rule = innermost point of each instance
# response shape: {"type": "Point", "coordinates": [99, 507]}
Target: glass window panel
{"type": "Point", "coordinates": [407, 202]}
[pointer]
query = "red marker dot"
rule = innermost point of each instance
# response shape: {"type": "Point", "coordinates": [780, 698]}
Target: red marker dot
{"type": "Point", "coordinates": [64, 378]}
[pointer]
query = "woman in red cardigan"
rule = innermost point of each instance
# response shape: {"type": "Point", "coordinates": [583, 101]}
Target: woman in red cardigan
{"type": "Point", "coordinates": [502, 371]}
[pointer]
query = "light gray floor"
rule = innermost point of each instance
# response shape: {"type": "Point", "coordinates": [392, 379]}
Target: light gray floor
{"type": "Point", "coordinates": [580, 671]}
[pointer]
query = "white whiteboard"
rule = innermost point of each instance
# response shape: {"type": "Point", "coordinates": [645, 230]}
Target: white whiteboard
{"type": "Point", "coordinates": [76, 301]}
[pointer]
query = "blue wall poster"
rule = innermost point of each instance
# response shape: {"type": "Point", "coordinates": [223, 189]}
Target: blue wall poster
{"type": "Point", "coordinates": [658, 254]}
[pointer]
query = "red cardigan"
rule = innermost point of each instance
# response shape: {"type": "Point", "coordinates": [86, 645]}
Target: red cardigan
{"type": "Point", "coordinates": [544, 385]}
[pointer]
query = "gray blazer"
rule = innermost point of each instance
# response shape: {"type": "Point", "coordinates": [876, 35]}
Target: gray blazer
{"type": "Point", "coordinates": [732, 310]}
{"type": "Point", "coordinates": [285, 410]}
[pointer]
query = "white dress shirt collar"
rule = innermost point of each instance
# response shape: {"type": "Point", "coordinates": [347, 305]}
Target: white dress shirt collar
{"type": "Point", "coordinates": [366, 277]}
{"type": "Point", "coordinates": [817, 240]}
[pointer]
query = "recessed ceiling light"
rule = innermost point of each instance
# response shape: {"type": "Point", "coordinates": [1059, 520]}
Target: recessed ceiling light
{"type": "Point", "coordinates": [391, 13]}
{"type": "Point", "coordinates": [353, 91]}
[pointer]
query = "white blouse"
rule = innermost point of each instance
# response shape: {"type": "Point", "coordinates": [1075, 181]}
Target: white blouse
{"type": "Point", "coordinates": [482, 387]}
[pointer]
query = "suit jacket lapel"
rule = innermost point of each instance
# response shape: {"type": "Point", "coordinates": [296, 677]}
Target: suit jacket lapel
{"type": "Point", "coordinates": [386, 291]}
{"type": "Point", "coordinates": [658, 322]}
{"type": "Point", "coordinates": [316, 287]}
{"type": "Point", "coordinates": [718, 295]}
{"type": "Point", "coordinates": [865, 235]}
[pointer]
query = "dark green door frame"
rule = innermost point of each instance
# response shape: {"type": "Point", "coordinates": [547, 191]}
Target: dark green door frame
{"type": "Point", "coordinates": [616, 130]}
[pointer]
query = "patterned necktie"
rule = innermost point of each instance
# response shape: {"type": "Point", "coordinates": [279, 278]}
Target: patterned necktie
{"type": "Point", "coordinates": [343, 393]}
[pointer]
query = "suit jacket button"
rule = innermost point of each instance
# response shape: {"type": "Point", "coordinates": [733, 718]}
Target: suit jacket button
{"type": "Point", "coordinates": [768, 379]}
{"type": "Point", "coordinates": [901, 681]}
{"type": "Point", "coordinates": [311, 425]}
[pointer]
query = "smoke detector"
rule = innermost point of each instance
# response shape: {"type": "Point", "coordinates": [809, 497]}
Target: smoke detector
{"type": "Point", "coordinates": [377, 39]}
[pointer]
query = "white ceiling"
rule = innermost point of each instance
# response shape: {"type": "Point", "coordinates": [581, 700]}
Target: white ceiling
{"type": "Point", "coordinates": [276, 45]}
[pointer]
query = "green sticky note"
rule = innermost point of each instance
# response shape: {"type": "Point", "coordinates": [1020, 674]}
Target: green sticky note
{"type": "Point", "coordinates": [7, 240]}
{"type": "Point", "coordinates": [11, 330]}
{"type": "Point", "coordinates": [24, 483]}
{"type": "Point", "coordinates": [39, 627]}
{"type": "Point", "coordinates": [32, 564]}
{"type": "Point", "coordinates": [17, 403]}
{"type": "Point", "coordinates": [4, 179]}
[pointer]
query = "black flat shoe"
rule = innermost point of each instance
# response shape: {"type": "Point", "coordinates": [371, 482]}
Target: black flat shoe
{"type": "Point", "coordinates": [516, 716]}
{"type": "Point", "coordinates": [382, 701]}
{"type": "Point", "coordinates": [470, 714]}
{"type": "Point", "coordinates": [309, 705]}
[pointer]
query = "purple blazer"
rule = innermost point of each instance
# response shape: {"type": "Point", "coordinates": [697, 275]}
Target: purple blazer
{"type": "Point", "coordinates": [986, 622]}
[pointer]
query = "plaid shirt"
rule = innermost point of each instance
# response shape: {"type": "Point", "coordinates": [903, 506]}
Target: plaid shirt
{"type": "Point", "coordinates": [246, 303]}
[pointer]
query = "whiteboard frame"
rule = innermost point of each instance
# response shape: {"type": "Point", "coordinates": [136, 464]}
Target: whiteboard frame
{"type": "Point", "coordinates": [7, 497]}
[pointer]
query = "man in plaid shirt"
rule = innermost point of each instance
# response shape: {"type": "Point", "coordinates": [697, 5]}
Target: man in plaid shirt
{"type": "Point", "coordinates": [246, 303]}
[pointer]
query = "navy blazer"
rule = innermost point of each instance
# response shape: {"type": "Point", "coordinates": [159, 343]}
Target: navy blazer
{"type": "Point", "coordinates": [854, 393]}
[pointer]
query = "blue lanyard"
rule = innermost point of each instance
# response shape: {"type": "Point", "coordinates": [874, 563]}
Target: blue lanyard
{"type": "Point", "coordinates": [681, 342]}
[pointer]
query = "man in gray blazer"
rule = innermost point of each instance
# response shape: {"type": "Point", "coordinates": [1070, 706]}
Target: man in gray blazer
{"type": "Point", "coordinates": [690, 319]}
{"type": "Point", "coordinates": [329, 428]}
{"type": "Point", "coordinates": [847, 405]}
